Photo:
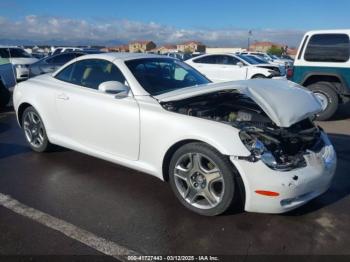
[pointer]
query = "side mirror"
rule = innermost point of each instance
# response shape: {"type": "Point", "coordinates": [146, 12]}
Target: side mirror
{"type": "Point", "coordinates": [240, 64]}
{"type": "Point", "coordinates": [114, 88]}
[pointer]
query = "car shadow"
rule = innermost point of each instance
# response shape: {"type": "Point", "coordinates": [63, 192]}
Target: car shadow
{"type": "Point", "coordinates": [6, 109]}
{"type": "Point", "coordinates": [7, 150]}
{"type": "Point", "coordinates": [340, 187]}
{"type": "Point", "coordinates": [4, 127]}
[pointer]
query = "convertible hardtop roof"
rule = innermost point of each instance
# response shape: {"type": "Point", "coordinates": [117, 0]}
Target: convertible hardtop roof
{"type": "Point", "coordinates": [123, 56]}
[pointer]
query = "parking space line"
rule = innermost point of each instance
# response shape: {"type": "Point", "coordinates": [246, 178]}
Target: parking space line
{"type": "Point", "coordinates": [100, 244]}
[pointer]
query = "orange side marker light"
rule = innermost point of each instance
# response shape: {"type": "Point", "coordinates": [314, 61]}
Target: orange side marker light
{"type": "Point", "coordinates": [267, 193]}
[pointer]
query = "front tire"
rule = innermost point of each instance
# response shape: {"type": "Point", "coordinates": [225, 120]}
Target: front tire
{"type": "Point", "coordinates": [34, 131]}
{"type": "Point", "coordinates": [258, 76]}
{"type": "Point", "coordinates": [329, 99]}
{"type": "Point", "coordinates": [202, 179]}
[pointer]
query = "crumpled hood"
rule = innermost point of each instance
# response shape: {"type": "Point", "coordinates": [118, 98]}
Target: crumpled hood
{"type": "Point", "coordinates": [285, 102]}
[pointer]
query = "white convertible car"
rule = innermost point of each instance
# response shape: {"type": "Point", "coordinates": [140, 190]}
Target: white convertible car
{"type": "Point", "coordinates": [211, 142]}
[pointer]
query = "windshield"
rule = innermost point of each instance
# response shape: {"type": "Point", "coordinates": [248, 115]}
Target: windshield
{"type": "Point", "coordinates": [162, 75]}
{"type": "Point", "coordinates": [18, 52]}
{"type": "Point", "coordinates": [248, 59]}
{"type": "Point", "coordinates": [258, 59]}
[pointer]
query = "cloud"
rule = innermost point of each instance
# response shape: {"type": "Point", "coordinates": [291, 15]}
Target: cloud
{"type": "Point", "coordinates": [45, 29]}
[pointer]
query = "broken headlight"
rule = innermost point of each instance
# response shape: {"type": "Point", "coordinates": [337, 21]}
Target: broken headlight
{"type": "Point", "coordinates": [259, 151]}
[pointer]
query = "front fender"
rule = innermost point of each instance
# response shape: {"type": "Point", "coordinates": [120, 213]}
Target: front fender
{"type": "Point", "coordinates": [161, 129]}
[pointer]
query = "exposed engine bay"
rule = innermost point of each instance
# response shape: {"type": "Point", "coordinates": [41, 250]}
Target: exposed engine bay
{"type": "Point", "coordinates": [280, 148]}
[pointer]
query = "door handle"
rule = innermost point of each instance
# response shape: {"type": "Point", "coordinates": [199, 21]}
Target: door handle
{"type": "Point", "coordinates": [63, 97]}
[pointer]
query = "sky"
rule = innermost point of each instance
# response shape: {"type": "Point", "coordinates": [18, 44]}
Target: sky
{"type": "Point", "coordinates": [215, 23]}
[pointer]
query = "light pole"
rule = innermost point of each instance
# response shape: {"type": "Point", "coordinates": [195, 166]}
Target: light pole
{"type": "Point", "coordinates": [250, 33]}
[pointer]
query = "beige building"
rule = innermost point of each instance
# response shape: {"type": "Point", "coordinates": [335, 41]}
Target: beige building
{"type": "Point", "coordinates": [141, 46]}
{"type": "Point", "coordinates": [191, 47]}
{"type": "Point", "coordinates": [263, 46]}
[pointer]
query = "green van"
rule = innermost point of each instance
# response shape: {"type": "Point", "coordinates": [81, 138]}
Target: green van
{"type": "Point", "coordinates": [322, 65]}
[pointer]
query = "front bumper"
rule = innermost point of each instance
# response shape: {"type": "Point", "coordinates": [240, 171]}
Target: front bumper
{"type": "Point", "coordinates": [22, 73]}
{"type": "Point", "coordinates": [295, 187]}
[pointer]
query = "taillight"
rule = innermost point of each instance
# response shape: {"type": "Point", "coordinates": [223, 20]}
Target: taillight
{"type": "Point", "coordinates": [290, 72]}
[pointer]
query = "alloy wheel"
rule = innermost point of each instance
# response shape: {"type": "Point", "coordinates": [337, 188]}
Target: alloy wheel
{"type": "Point", "coordinates": [199, 180]}
{"type": "Point", "coordinates": [323, 100]}
{"type": "Point", "coordinates": [34, 129]}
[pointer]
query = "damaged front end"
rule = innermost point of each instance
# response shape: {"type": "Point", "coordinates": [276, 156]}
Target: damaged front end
{"type": "Point", "coordinates": [280, 148]}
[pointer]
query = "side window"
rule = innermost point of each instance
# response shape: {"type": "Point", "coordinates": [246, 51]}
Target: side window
{"type": "Point", "coordinates": [57, 51]}
{"type": "Point", "coordinates": [179, 73]}
{"type": "Point", "coordinates": [4, 56]}
{"type": "Point", "coordinates": [328, 48]}
{"type": "Point", "coordinates": [226, 60]}
{"type": "Point", "coordinates": [210, 59]}
{"type": "Point", "coordinates": [92, 72]}
{"type": "Point", "coordinates": [4, 53]}
{"type": "Point", "coordinates": [60, 59]}
{"type": "Point", "coordinates": [66, 74]}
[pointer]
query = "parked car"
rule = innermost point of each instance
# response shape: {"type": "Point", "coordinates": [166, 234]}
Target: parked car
{"type": "Point", "coordinates": [211, 142]}
{"type": "Point", "coordinates": [52, 63]}
{"type": "Point", "coordinates": [7, 81]}
{"type": "Point", "coordinates": [322, 65]}
{"type": "Point", "coordinates": [39, 55]}
{"type": "Point", "coordinates": [288, 57]}
{"type": "Point", "coordinates": [281, 61]}
{"type": "Point", "coordinates": [228, 67]}
{"type": "Point", "coordinates": [19, 58]}
{"type": "Point", "coordinates": [179, 55]}
{"type": "Point", "coordinates": [59, 50]}
{"type": "Point", "coordinates": [259, 62]}
{"type": "Point", "coordinates": [274, 60]}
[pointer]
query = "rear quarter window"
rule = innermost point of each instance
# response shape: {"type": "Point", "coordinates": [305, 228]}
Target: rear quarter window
{"type": "Point", "coordinates": [328, 48]}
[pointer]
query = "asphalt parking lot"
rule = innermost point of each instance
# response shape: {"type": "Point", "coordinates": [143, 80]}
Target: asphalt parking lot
{"type": "Point", "coordinates": [141, 213]}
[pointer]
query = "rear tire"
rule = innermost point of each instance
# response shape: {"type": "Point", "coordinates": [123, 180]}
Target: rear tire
{"type": "Point", "coordinates": [34, 131]}
{"type": "Point", "coordinates": [330, 100]}
{"type": "Point", "coordinates": [207, 186]}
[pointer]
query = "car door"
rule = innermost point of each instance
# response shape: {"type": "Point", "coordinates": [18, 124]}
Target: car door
{"type": "Point", "coordinates": [231, 68]}
{"type": "Point", "coordinates": [221, 68]}
{"type": "Point", "coordinates": [96, 120]}
{"type": "Point", "coordinates": [207, 66]}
